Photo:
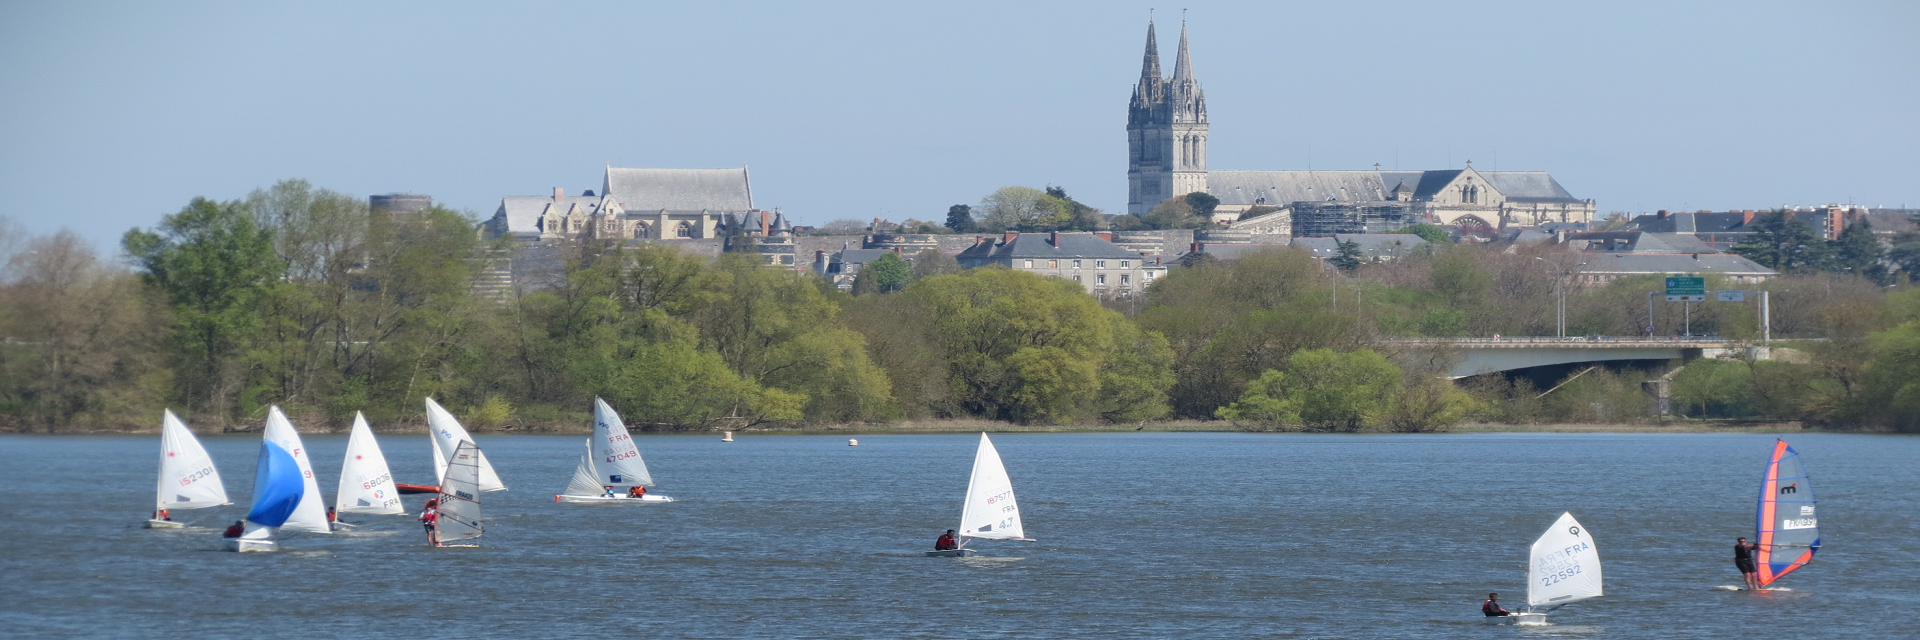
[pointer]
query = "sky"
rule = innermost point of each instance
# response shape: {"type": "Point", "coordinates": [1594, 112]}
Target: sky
{"type": "Point", "coordinates": [113, 115]}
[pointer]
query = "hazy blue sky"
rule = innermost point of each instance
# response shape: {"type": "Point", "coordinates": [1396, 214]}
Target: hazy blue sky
{"type": "Point", "coordinates": [115, 114]}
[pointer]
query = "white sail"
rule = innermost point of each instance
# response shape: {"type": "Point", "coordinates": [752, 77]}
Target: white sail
{"type": "Point", "coordinates": [990, 510]}
{"type": "Point", "coordinates": [188, 479]}
{"type": "Point", "coordinates": [366, 485]}
{"type": "Point", "coordinates": [439, 457]}
{"type": "Point", "coordinates": [615, 457]}
{"type": "Point", "coordinates": [1565, 565]}
{"type": "Point", "coordinates": [447, 435]}
{"type": "Point", "coordinates": [460, 495]}
{"type": "Point", "coordinates": [311, 514]}
{"type": "Point", "coordinates": [585, 479]}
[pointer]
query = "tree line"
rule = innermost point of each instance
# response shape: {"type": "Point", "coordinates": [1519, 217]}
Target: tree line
{"type": "Point", "coordinates": [299, 296]}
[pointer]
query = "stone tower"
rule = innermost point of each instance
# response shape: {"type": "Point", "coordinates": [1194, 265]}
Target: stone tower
{"type": "Point", "coordinates": [1166, 130]}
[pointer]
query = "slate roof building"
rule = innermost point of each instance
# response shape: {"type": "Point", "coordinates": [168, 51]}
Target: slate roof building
{"type": "Point", "coordinates": [1090, 259]}
{"type": "Point", "coordinates": [1167, 133]}
{"type": "Point", "coordinates": [1722, 230]}
{"type": "Point", "coordinates": [633, 204]}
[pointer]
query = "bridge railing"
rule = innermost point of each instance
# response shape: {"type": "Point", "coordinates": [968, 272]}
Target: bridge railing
{"type": "Point", "coordinates": [1572, 340]}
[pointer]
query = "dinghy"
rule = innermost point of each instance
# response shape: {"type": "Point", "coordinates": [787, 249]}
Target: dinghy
{"type": "Point", "coordinates": [1564, 569]}
{"type": "Point", "coordinates": [990, 512]}
{"type": "Point", "coordinates": [187, 477]}
{"type": "Point", "coordinates": [446, 434]}
{"type": "Point", "coordinates": [285, 495]}
{"type": "Point", "coordinates": [1786, 529]}
{"type": "Point", "coordinates": [366, 486]}
{"type": "Point", "coordinates": [611, 460]}
{"type": "Point", "coordinates": [460, 497]}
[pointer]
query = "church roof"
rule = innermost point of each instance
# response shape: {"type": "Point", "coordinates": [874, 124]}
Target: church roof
{"type": "Point", "coordinates": [521, 214]}
{"type": "Point", "coordinates": [1529, 186]}
{"type": "Point", "coordinates": [1280, 188]}
{"type": "Point", "coordinates": [643, 190]}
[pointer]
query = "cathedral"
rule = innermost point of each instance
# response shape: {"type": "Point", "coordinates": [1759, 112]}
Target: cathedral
{"type": "Point", "coordinates": [1167, 146]}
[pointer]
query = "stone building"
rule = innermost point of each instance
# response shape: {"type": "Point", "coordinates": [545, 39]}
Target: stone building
{"type": "Point", "coordinates": [1167, 146]}
{"type": "Point", "coordinates": [1090, 259]}
{"type": "Point", "coordinates": [633, 204]}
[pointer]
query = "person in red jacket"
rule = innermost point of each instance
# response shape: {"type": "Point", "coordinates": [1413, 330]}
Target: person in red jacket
{"type": "Point", "coordinates": [430, 518]}
{"type": "Point", "coordinates": [1491, 608]}
{"type": "Point", "coordinates": [947, 542]}
{"type": "Point", "coordinates": [234, 531]}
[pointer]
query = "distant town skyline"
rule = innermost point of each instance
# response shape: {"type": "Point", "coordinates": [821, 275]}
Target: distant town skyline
{"type": "Point", "coordinates": [122, 112]}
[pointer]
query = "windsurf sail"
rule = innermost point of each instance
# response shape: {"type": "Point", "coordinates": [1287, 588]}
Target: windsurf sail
{"type": "Point", "coordinates": [447, 434]}
{"type": "Point", "coordinates": [366, 485]}
{"type": "Point", "coordinates": [1564, 565]}
{"type": "Point", "coordinates": [460, 495]}
{"type": "Point", "coordinates": [188, 479]}
{"type": "Point", "coordinates": [616, 460]}
{"type": "Point", "coordinates": [990, 511]}
{"type": "Point", "coordinates": [1787, 529]}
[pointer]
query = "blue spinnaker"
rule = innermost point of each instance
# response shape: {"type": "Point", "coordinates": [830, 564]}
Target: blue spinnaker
{"type": "Point", "coordinates": [277, 487]}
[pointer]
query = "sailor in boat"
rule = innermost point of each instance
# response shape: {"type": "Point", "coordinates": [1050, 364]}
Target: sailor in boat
{"type": "Point", "coordinates": [947, 542]}
{"type": "Point", "coordinates": [163, 515]}
{"type": "Point", "coordinates": [609, 493]}
{"type": "Point", "coordinates": [430, 516]}
{"type": "Point", "coordinates": [1491, 608]}
{"type": "Point", "coordinates": [1743, 558]}
{"type": "Point", "coordinates": [637, 492]}
{"type": "Point", "coordinates": [234, 531]}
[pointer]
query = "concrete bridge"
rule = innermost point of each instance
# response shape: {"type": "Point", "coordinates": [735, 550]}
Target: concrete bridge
{"type": "Point", "coordinates": [1489, 355]}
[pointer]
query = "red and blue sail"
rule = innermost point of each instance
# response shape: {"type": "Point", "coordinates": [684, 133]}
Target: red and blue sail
{"type": "Point", "coordinates": [1787, 528]}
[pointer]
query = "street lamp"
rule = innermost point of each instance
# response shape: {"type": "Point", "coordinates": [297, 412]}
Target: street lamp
{"type": "Point", "coordinates": [1560, 293]}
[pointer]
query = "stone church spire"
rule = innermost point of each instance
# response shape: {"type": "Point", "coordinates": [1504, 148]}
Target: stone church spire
{"type": "Point", "coordinates": [1188, 101]}
{"type": "Point", "coordinates": [1150, 94]}
{"type": "Point", "coordinates": [1166, 130]}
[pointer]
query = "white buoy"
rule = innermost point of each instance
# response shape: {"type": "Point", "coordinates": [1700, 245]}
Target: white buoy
{"type": "Point", "coordinates": [853, 442]}
{"type": "Point", "coordinates": [728, 437]}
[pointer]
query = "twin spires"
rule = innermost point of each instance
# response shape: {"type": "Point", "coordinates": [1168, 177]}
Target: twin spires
{"type": "Point", "coordinates": [1176, 99]}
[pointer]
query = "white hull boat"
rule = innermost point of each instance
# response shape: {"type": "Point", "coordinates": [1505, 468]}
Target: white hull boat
{"type": "Point", "coordinates": [1563, 568]}
{"type": "Point", "coordinates": [605, 499]}
{"type": "Point", "coordinates": [952, 553]}
{"type": "Point", "coordinates": [990, 512]}
{"type": "Point", "coordinates": [285, 496]}
{"type": "Point", "coordinates": [165, 524]}
{"type": "Point", "coordinates": [188, 479]}
{"type": "Point", "coordinates": [611, 462]}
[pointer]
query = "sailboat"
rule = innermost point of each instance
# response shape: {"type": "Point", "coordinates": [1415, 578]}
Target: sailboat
{"type": "Point", "coordinates": [610, 461]}
{"type": "Point", "coordinates": [366, 485]}
{"type": "Point", "coordinates": [445, 433]}
{"type": "Point", "coordinates": [285, 495]}
{"type": "Point", "coordinates": [1785, 529]}
{"type": "Point", "coordinates": [187, 477]}
{"type": "Point", "coordinates": [460, 496]}
{"type": "Point", "coordinates": [1564, 569]}
{"type": "Point", "coordinates": [990, 512]}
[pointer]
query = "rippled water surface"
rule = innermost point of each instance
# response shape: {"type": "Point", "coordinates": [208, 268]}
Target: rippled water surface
{"type": "Point", "coordinates": [1140, 536]}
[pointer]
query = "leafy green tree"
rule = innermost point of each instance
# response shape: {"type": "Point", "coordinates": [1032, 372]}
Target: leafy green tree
{"type": "Point", "coordinates": [1786, 244]}
{"type": "Point", "coordinates": [214, 263]}
{"type": "Point", "coordinates": [1320, 389]}
{"type": "Point", "coordinates": [1203, 204]}
{"type": "Point", "coordinates": [83, 336]}
{"type": "Point", "coordinates": [1427, 232]}
{"type": "Point", "coordinates": [1349, 257]}
{"type": "Point", "coordinates": [1174, 213]}
{"type": "Point", "coordinates": [1018, 208]}
{"type": "Point", "coordinates": [886, 274]}
{"type": "Point", "coordinates": [1135, 376]}
{"type": "Point", "coordinates": [1256, 211]}
{"type": "Point", "coordinates": [1905, 255]}
{"type": "Point", "coordinates": [960, 218]}
{"type": "Point", "coordinates": [934, 262]}
{"type": "Point", "coordinates": [1079, 216]}
{"type": "Point", "coordinates": [1859, 252]}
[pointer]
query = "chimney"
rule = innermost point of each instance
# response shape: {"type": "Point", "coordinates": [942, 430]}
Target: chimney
{"type": "Point", "coordinates": [1193, 248]}
{"type": "Point", "coordinates": [1696, 256]}
{"type": "Point", "coordinates": [1746, 217]}
{"type": "Point", "coordinates": [899, 251]}
{"type": "Point", "coordinates": [559, 194]}
{"type": "Point", "coordinates": [979, 239]}
{"type": "Point", "coordinates": [1104, 235]}
{"type": "Point", "coordinates": [1054, 240]}
{"type": "Point", "coordinates": [1010, 236]}
{"type": "Point", "coordinates": [766, 219]}
{"type": "Point", "coordinates": [1661, 214]}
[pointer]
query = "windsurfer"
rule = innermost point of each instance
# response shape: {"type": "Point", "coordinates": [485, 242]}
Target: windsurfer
{"type": "Point", "coordinates": [234, 531]}
{"type": "Point", "coordinates": [947, 542]}
{"type": "Point", "coordinates": [430, 517]}
{"type": "Point", "coordinates": [1743, 558]}
{"type": "Point", "coordinates": [1491, 608]}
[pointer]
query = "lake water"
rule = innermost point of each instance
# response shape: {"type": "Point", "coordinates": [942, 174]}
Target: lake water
{"type": "Point", "coordinates": [1140, 536]}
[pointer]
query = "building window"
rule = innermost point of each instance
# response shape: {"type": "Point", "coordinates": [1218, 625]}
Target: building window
{"type": "Point", "coordinates": [684, 230]}
{"type": "Point", "coordinates": [1100, 279]}
{"type": "Point", "coordinates": [1124, 280]}
{"type": "Point", "coordinates": [1149, 275]}
{"type": "Point", "coordinates": [786, 259]}
{"type": "Point", "coordinates": [1099, 264]}
{"type": "Point", "coordinates": [1076, 264]}
{"type": "Point", "coordinates": [1076, 278]}
{"type": "Point", "coordinates": [1029, 264]}
{"type": "Point", "coordinates": [1126, 263]}
{"type": "Point", "coordinates": [1053, 264]}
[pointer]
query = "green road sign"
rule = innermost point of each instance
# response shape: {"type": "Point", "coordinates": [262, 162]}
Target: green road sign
{"type": "Point", "coordinates": [1686, 286]}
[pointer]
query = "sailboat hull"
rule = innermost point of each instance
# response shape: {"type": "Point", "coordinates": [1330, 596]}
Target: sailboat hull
{"type": "Point", "coordinates": [609, 499]}
{"type": "Point", "coordinates": [1529, 619]}
{"type": "Point", "coordinates": [952, 553]}
{"type": "Point", "coordinates": [244, 545]}
{"type": "Point", "coordinates": [165, 524]}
